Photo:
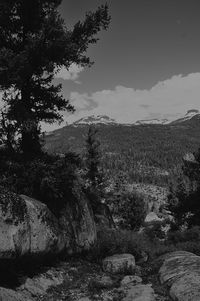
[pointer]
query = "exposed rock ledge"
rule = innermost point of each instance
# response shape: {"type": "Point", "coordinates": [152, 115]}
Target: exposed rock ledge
{"type": "Point", "coordinates": [181, 272]}
{"type": "Point", "coordinates": [28, 228]}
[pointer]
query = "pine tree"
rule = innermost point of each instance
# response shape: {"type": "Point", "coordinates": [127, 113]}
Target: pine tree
{"type": "Point", "coordinates": [95, 180]}
{"type": "Point", "coordinates": [183, 199]}
{"type": "Point", "coordinates": [34, 45]}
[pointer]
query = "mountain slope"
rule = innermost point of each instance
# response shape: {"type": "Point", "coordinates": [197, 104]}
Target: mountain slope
{"type": "Point", "coordinates": [143, 152]}
{"type": "Point", "coordinates": [190, 115]}
{"type": "Point", "coordinates": [99, 119]}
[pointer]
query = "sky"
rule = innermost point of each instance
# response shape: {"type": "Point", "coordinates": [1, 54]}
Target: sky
{"type": "Point", "coordinates": [146, 65]}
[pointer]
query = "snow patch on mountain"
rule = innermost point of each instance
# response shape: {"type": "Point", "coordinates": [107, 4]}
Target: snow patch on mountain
{"type": "Point", "coordinates": [188, 116]}
{"type": "Point", "coordinates": [98, 119]}
{"type": "Point", "coordinates": [152, 121]}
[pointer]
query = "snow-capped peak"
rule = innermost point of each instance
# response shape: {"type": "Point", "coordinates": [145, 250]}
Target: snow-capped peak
{"type": "Point", "coordinates": [151, 121]}
{"type": "Point", "coordinates": [95, 119]}
{"type": "Point", "coordinates": [189, 115]}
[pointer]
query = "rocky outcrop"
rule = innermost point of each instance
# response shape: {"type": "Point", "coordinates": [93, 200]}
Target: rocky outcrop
{"type": "Point", "coordinates": [28, 227]}
{"type": "Point", "coordinates": [33, 288]}
{"type": "Point", "coordinates": [181, 272]}
{"type": "Point", "coordinates": [78, 226]}
{"type": "Point", "coordinates": [119, 264]}
{"type": "Point", "coordinates": [44, 232]}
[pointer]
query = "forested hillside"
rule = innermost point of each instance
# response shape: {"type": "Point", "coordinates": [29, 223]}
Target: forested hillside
{"type": "Point", "coordinates": [145, 153]}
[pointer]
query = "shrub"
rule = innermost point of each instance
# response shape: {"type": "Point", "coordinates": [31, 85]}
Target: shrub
{"type": "Point", "coordinates": [116, 241]}
{"type": "Point", "coordinates": [179, 236]}
{"type": "Point", "coordinates": [132, 210]}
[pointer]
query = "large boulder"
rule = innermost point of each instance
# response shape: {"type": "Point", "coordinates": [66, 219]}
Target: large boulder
{"type": "Point", "coordinates": [44, 232]}
{"type": "Point", "coordinates": [119, 264]}
{"type": "Point", "coordinates": [181, 272]}
{"type": "Point", "coordinates": [14, 226]}
{"type": "Point", "coordinates": [78, 226]}
{"type": "Point", "coordinates": [28, 227]}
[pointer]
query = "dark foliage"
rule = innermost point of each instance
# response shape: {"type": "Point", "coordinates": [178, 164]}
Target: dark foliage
{"type": "Point", "coordinates": [183, 200]}
{"type": "Point", "coordinates": [148, 154]}
{"type": "Point", "coordinates": [95, 182]}
{"type": "Point", "coordinates": [50, 179]}
{"type": "Point", "coordinates": [34, 45]}
{"type": "Point", "coordinates": [132, 210]}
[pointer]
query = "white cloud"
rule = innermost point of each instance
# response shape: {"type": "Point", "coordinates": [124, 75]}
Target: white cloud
{"type": "Point", "coordinates": [70, 74]}
{"type": "Point", "coordinates": [167, 99]}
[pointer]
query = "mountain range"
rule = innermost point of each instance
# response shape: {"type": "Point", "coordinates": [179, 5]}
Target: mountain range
{"type": "Point", "coordinates": [106, 120]}
{"type": "Point", "coordinates": [146, 151]}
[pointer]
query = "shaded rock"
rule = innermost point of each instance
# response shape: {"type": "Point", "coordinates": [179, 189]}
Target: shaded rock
{"type": "Point", "coordinates": [119, 264]}
{"type": "Point", "coordinates": [38, 285]}
{"type": "Point", "coordinates": [14, 226]}
{"type": "Point", "coordinates": [103, 216]}
{"type": "Point", "coordinates": [140, 292]}
{"type": "Point", "coordinates": [78, 226]}
{"type": "Point", "coordinates": [127, 280]}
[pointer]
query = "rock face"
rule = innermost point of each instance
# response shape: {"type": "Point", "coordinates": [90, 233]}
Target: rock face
{"type": "Point", "coordinates": [14, 226]}
{"type": "Point", "coordinates": [33, 288]}
{"type": "Point", "coordinates": [27, 227]}
{"type": "Point", "coordinates": [181, 272]}
{"type": "Point", "coordinates": [78, 227]}
{"type": "Point", "coordinates": [44, 232]}
{"type": "Point", "coordinates": [119, 264]}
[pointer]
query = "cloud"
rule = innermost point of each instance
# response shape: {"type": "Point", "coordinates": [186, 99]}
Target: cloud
{"type": "Point", "coordinates": [70, 74]}
{"type": "Point", "coordinates": [167, 99]}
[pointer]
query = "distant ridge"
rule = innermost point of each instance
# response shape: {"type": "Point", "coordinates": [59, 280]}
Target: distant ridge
{"type": "Point", "coordinates": [190, 115]}
{"type": "Point", "coordinates": [152, 121]}
{"type": "Point", "coordinates": [95, 119]}
{"type": "Point", "coordinates": [106, 120]}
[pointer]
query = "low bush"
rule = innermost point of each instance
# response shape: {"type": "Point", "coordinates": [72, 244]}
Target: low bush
{"type": "Point", "coordinates": [51, 179]}
{"type": "Point", "coordinates": [132, 210]}
{"type": "Point", "coordinates": [116, 241]}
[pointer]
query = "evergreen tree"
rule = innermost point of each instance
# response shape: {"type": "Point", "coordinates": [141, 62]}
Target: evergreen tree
{"type": "Point", "coordinates": [34, 45]}
{"type": "Point", "coordinates": [95, 180]}
{"type": "Point", "coordinates": [183, 199]}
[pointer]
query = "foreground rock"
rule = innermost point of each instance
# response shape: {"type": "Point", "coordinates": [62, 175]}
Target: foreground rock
{"type": "Point", "coordinates": [181, 272]}
{"type": "Point", "coordinates": [140, 292]}
{"type": "Point", "coordinates": [119, 264]}
{"type": "Point", "coordinates": [28, 228]}
{"type": "Point", "coordinates": [33, 288]}
{"type": "Point", "coordinates": [127, 280]}
{"type": "Point", "coordinates": [78, 226]}
{"type": "Point", "coordinates": [44, 232]}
